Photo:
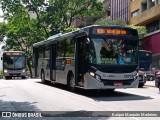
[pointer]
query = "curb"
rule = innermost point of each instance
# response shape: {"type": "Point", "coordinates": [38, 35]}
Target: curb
{"type": "Point", "coordinates": [150, 85]}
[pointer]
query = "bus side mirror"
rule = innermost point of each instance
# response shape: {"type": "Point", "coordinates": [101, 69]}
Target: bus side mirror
{"type": "Point", "coordinates": [1, 58]}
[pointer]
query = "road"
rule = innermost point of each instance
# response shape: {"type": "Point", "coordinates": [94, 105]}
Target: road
{"type": "Point", "coordinates": [32, 95]}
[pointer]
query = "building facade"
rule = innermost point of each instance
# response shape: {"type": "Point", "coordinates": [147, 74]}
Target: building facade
{"type": "Point", "coordinates": [119, 9]}
{"type": "Point", "coordinates": [147, 13]}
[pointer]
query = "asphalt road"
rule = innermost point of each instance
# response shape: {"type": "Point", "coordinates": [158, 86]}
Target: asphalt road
{"type": "Point", "coordinates": [32, 95]}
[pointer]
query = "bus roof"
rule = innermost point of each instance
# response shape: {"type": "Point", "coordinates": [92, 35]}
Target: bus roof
{"type": "Point", "coordinates": [73, 33]}
{"type": "Point", "coordinates": [14, 51]}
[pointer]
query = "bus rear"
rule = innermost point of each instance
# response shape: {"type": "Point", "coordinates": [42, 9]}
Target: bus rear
{"type": "Point", "coordinates": [14, 64]}
{"type": "Point", "coordinates": [145, 61]}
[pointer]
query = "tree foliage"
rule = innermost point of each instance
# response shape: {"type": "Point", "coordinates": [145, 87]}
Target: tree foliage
{"type": "Point", "coordinates": [142, 31]}
{"type": "Point", "coordinates": [3, 30]}
{"type": "Point", "coordinates": [51, 17]}
{"type": "Point", "coordinates": [22, 32]}
{"type": "Point", "coordinates": [109, 21]}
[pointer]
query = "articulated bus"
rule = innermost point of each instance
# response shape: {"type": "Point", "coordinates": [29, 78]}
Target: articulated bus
{"type": "Point", "coordinates": [94, 57]}
{"type": "Point", "coordinates": [14, 64]}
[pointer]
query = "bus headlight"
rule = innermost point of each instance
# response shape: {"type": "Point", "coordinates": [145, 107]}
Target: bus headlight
{"type": "Point", "coordinates": [5, 71]}
{"type": "Point", "coordinates": [92, 74]}
{"type": "Point", "coordinates": [23, 70]}
{"type": "Point", "coordinates": [97, 77]}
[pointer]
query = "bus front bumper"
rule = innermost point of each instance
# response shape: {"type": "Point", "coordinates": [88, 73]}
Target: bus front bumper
{"type": "Point", "coordinates": [14, 73]}
{"type": "Point", "coordinates": [92, 83]}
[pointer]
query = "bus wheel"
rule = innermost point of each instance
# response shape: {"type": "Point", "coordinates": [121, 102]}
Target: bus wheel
{"type": "Point", "coordinates": [43, 77]}
{"type": "Point", "coordinates": [71, 83]}
{"type": "Point", "coordinates": [6, 78]}
{"type": "Point", "coordinates": [23, 77]}
{"type": "Point", "coordinates": [141, 85]}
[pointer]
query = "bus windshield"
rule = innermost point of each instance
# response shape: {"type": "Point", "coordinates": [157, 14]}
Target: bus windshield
{"type": "Point", "coordinates": [113, 51]}
{"type": "Point", "coordinates": [14, 62]}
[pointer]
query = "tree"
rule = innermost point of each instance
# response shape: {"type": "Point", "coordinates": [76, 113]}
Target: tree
{"type": "Point", "coordinates": [51, 17]}
{"type": "Point", "coordinates": [61, 13]}
{"type": "Point", "coordinates": [109, 21]}
{"type": "Point", "coordinates": [55, 15]}
{"type": "Point", "coordinates": [142, 32]}
{"type": "Point", "coordinates": [71, 9]}
{"type": "Point", "coordinates": [2, 31]}
{"type": "Point", "coordinates": [22, 33]}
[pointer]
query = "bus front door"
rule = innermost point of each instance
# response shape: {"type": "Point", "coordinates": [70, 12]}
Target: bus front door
{"type": "Point", "coordinates": [81, 60]}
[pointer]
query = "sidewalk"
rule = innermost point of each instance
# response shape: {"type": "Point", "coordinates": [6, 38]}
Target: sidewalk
{"type": "Point", "coordinates": [150, 83]}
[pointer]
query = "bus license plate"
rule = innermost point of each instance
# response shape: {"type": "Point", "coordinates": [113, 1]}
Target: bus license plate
{"type": "Point", "coordinates": [118, 84]}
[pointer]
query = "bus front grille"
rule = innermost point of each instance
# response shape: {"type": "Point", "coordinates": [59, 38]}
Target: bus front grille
{"type": "Point", "coordinates": [14, 74]}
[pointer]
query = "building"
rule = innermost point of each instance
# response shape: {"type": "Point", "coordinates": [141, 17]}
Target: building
{"type": "Point", "coordinates": [119, 9]}
{"type": "Point", "coordinates": [147, 13]}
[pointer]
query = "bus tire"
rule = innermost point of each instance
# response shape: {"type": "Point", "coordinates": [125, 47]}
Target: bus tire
{"type": "Point", "coordinates": [110, 90]}
{"type": "Point", "coordinates": [6, 77]}
{"type": "Point", "coordinates": [71, 83]}
{"type": "Point", "coordinates": [140, 85]}
{"type": "Point", "coordinates": [23, 77]}
{"type": "Point", "coordinates": [43, 77]}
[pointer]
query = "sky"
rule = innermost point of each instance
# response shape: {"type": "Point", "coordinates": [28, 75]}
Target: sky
{"type": "Point", "coordinates": [1, 13]}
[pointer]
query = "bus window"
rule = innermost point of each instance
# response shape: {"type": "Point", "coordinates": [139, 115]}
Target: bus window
{"type": "Point", "coordinates": [113, 51]}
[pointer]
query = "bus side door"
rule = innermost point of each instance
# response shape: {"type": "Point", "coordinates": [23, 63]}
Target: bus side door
{"type": "Point", "coordinates": [53, 62]}
{"type": "Point", "coordinates": [81, 58]}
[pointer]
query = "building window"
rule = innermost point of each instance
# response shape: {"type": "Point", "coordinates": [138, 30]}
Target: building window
{"type": "Point", "coordinates": [144, 5]}
{"type": "Point", "coordinates": [153, 26]}
{"type": "Point", "coordinates": [151, 3]}
{"type": "Point", "coordinates": [158, 1]}
{"type": "Point", "coordinates": [135, 13]}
